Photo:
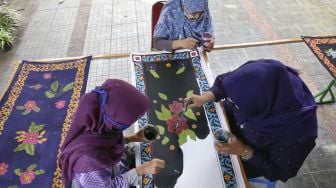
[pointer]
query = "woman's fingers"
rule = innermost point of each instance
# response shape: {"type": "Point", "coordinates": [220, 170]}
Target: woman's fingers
{"type": "Point", "coordinates": [223, 148]}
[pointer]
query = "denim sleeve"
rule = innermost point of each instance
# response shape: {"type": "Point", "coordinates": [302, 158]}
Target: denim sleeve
{"type": "Point", "coordinates": [163, 44]}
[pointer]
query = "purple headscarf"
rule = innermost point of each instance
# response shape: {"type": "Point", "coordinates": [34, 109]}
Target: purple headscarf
{"type": "Point", "coordinates": [90, 138]}
{"type": "Point", "coordinates": [173, 24]}
{"type": "Point", "coordinates": [271, 97]}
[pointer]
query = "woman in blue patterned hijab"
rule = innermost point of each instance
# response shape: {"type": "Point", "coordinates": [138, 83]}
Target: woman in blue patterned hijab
{"type": "Point", "coordinates": [181, 25]}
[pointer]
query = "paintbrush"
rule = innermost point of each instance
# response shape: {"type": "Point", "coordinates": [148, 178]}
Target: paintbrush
{"type": "Point", "coordinates": [178, 122]}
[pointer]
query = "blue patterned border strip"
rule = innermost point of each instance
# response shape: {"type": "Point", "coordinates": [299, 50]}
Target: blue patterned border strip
{"type": "Point", "coordinates": [145, 148]}
{"type": "Point", "coordinates": [225, 160]}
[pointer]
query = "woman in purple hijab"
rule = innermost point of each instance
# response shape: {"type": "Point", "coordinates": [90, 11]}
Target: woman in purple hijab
{"type": "Point", "coordinates": [272, 115]}
{"type": "Point", "coordinates": [182, 24]}
{"type": "Point", "coordinates": [92, 153]}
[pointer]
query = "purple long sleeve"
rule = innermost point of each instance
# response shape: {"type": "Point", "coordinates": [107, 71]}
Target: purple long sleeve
{"type": "Point", "coordinates": [218, 89]}
{"type": "Point", "coordinates": [282, 160]}
{"type": "Point", "coordinates": [115, 177]}
{"type": "Point", "coordinates": [286, 138]}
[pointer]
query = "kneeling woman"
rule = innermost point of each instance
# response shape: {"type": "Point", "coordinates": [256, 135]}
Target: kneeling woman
{"type": "Point", "coordinates": [92, 153]}
{"type": "Point", "coordinates": [272, 115]}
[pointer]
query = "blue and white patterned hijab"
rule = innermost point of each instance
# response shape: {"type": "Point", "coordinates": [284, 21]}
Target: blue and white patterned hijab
{"type": "Point", "coordinates": [173, 24]}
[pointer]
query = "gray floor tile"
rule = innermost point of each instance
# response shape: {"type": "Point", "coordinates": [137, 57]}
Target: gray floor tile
{"type": "Point", "coordinates": [325, 179]}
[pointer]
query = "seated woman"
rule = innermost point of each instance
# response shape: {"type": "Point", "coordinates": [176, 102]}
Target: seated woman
{"type": "Point", "coordinates": [272, 115]}
{"type": "Point", "coordinates": [92, 153]}
{"type": "Point", "coordinates": [182, 24]}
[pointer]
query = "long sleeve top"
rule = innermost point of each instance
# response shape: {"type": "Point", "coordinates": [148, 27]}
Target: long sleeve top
{"type": "Point", "coordinates": [274, 157]}
{"type": "Point", "coordinates": [163, 44]}
{"type": "Point", "coordinates": [118, 176]}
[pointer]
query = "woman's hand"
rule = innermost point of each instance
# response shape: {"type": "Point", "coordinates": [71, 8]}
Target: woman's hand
{"type": "Point", "coordinates": [187, 43]}
{"type": "Point", "coordinates": [151, 167]}
{"type": "Point", "coordinates": [199, 100]}
{"type": "Point", "coordinates": [137, 137]}
{"type": "Point", "coordinates": [208, 46]}
{"type": "Point", "coordinates": [234, 146]}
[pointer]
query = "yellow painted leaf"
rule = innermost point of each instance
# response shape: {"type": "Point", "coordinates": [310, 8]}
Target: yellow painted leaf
{"type": "Point", "coordinates": [161, 129]}
{"type": "Point", "coordinates": [154, 73]}
{"type": "Point", "coordinates": [190, 114]}
{"type": "Point", "coordinates": [180, 70]}
{"type": "Point", "coordinates": [165, 140]}
{"type": "Point", "coordinates": [163, 96]}
{"type": "Point", "coordinates": [190, 93]}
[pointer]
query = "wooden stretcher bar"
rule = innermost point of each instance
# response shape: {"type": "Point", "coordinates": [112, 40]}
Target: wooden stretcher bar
{"type": "Point", "coordinates": [216, 47]}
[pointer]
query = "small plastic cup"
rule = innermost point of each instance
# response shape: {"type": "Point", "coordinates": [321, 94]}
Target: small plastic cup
{"type": "Point", "coordinates": [207, 37]}
{"type": "Point", "coordinates": [150, 132]}
{"type": "Point", "coordinates": [222, 136]}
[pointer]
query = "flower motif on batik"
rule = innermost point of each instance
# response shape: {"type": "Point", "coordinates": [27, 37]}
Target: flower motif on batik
{"type": "Point", "coordinates": [176, 107]}
{"type": "Point", "coordinates": [28, 107]}
{"type": "Point", "coordinates": [34, 136]}
{"type": "Point", "coordinates": [27, 177]}
{"type": "Point", "coordinates": [175, 124]}
{"type": "Point", "coordinates": [177, 127]}
{"type": "Point", "coordinates": [47, 76]}
{"type": "Point", "coordinates": [60, 104]}
{"type": "Point", "coordinates": [3, 168]}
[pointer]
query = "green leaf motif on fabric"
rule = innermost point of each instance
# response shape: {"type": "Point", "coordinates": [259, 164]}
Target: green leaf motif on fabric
{"type": "Point", "coordinates": [185, 134]}
{"type": "Point", "coordinates": [12, 186]}
{"type": "Point", "coordinates": [165, 110]}
{"type": "Point", "coordinates": [164, 115]}
{"type": "Point", "coordinates": [182, 138]}
{"type": "Point", "coordinates": [161, 129]}
{"type": "Point", "coordinates": [190, 114]}
{"type": "Point", "coordinates": [49, 94]}
{"type": "Point", "coordinates": [33, 128]}
{"type": "Point", "coordinates": [18, 171]}
{"type": "Point", "coordinates": [20, 107]}
{"type": "Point", "coordinates": [154, 73]}
{"type": "Point", "coordinates": [180, 70]}
{"type": "Point", "coordinates": [39, 172]}
{"type": "Point", "coordinates": [190, 93]}
{"type": "Point", "coordinates": [68, 87]}
{"type": "Point", "coordinates": [20, 147]}
{"type": "Point", "coordinates": [191, 134]}
{"type": "Point", "coordinates": [30, 149]}
{"type": "Point", "coordinates": [163, 96]}
{"type": "Point", "coordinates": [25, 112]}
{"type": "Point", "coordinates": [32, 167]}
{"type": "Point", "coordinates": [165, 140]}
{"type": "Point", "coordinates": [36, 109]}
{"type": "Point", "coordinates": [54, 86]}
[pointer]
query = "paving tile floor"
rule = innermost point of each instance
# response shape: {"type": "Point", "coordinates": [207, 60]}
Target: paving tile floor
{"type": "Point", "coordinates": [84, 27]}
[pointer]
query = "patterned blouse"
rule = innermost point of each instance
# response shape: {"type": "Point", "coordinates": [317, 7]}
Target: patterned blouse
{"type": "Point", "coordinates": [118, 176]}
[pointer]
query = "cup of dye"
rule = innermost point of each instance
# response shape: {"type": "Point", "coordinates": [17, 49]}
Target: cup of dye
{"type": "Point", "coordinates": [150, 132]}
{"type": "Point", "coordinates": [222, 135]}
{"type": "Point", "coordinates": [207, 37]}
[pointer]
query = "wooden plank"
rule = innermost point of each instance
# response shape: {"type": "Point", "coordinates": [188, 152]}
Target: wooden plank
{"type": "Point", "coordinates": [216, 47]}
{"type": "Point", "coordinates": [255, 44]}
